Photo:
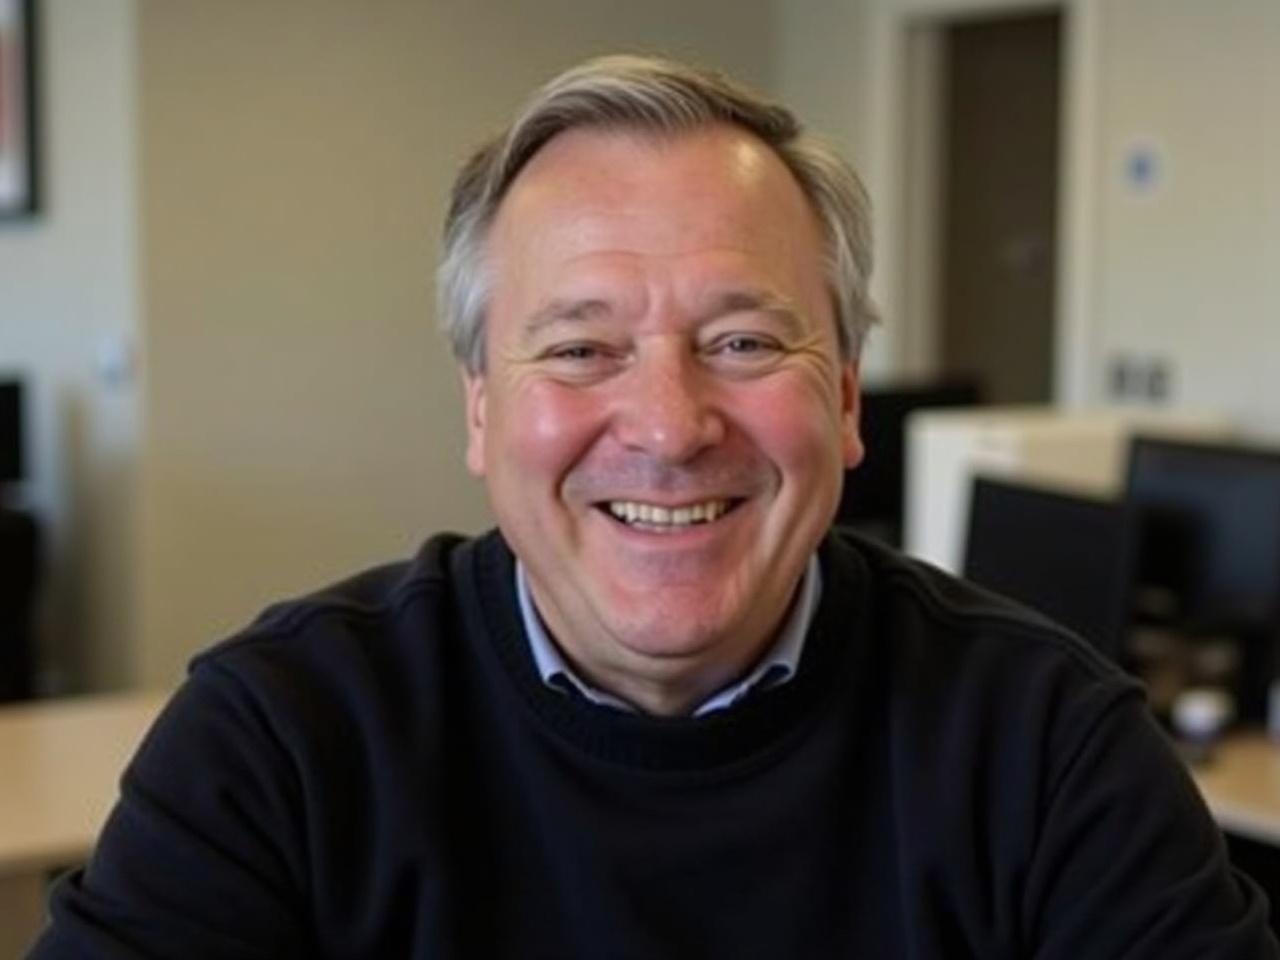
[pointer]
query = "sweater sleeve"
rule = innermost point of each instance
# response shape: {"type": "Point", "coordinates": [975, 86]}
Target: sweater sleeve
{"type": "Point", "coordinates": [1129, 863]}
{"type": "Point", "coordinates": [201, 856]}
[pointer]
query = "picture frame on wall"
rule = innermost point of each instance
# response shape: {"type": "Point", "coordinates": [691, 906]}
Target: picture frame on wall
{"type": "Point", "coordinates": [18, 170]}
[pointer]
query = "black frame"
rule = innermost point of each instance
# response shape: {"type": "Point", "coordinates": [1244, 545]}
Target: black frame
{"type": "Point", "coordinates": [1084, 588]}
{"type": "Point", "coordinates": [12, 436]}
{"type": "Point", "coordinates": [26, 154]}
{"type": "Point", "coordinates": [1213, 452]}
{"type": "Point", "coordinates": [872, 496]}
{"type": "Point", "coordinates": [1160, 535]}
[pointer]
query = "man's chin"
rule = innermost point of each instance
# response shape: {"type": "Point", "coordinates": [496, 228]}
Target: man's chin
{"type": "Point", "coordinates": [671, 634]}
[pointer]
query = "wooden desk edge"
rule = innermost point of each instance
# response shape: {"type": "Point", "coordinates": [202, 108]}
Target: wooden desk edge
{"type": "Point", "coordinates": [129, 714]}
{"type": "Point", "coordinates": [1241, 786]}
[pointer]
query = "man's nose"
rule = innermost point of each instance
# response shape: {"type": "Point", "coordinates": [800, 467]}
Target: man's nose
{"type": "Point", "coordinates": [668, 408]}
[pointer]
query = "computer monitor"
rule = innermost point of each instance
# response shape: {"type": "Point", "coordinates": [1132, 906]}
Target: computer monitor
{"type": "Point", "coordinates": [1208, 529]}
{"type": "Point", "coordinates": [1061, 554]}
{"type": "Point", "coordinates": [872, 498]}
{"type": "Point", "coordinates": [11, 440]}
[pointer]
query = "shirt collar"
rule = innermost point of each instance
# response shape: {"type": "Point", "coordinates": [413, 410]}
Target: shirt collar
{"type": "Point", "coordinates": [776, 667]}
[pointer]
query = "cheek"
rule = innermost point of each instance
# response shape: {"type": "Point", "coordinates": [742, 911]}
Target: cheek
{"type": "Point", "coordinates": [797, 424]}
{"type": "Point", "coordinates": [543, 430]}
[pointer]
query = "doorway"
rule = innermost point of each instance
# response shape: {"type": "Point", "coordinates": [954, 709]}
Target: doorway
{"type": "Point", "coordinates": [982, 191]}
{"type": "Point", "coordinates": [999, 204]}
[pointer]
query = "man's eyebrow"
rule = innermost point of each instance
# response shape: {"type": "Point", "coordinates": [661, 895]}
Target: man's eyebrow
{"type": "Point", "coordinates": [717, 305]}
{"type": "Point", "coordinates": [562, 311]}
{"type": "Point", "coordinates": [756, 301]}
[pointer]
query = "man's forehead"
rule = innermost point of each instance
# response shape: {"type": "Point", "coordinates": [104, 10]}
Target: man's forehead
{"type": "Point", "coordinates": [718, 185]}
{"type": "Point", "coordinates": [602, 219]}
{"type": "Point", "coordinates": [612, 161]}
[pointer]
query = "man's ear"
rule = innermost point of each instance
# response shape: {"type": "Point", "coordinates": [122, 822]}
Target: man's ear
{"type": "Point", "coordinates": [474, 393]}
{"type": "Point", "coordinates": [850, 412]}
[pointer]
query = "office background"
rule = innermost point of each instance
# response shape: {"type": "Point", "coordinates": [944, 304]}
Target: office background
{"type": "Point", "coordinates": [224, 312]}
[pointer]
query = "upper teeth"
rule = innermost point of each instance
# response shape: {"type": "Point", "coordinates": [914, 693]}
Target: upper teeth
{"type": "Point", "coordinates": [630, 511]}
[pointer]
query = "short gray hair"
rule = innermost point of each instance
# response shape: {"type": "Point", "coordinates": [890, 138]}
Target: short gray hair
{"type": "Point", "coordinates": [665, 98]}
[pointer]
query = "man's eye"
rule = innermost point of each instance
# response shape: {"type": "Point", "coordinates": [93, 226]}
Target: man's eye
{"type": "Point", "coordinates": [581, 351]}
{"type": "Point", "coordinates": [749, 346]}
{"type": "Point", "coordinates": [744, 354]}
{"type": "Point", "coordinates": [581, 361]}
{"type": "Point", "coordinates": [745, 344]}
{"type": "Point", "coordinates": [576, 351]}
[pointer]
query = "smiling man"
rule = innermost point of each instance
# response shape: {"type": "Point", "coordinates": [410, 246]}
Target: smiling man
{"type": "Point", "coordinates": [663, 415]}
{"type": "Point", "coordinates": [662, 710]}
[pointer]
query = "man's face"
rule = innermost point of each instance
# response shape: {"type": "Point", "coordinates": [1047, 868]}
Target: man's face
{"type": "Point", "coordinates": [664, 419]}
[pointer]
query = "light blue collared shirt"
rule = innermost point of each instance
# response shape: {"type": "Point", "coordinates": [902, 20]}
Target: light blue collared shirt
{"type": "Point", "coordinates": [776, 667]}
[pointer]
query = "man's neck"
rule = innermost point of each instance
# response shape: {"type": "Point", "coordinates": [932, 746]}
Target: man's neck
{"type": "Point", "coordinates": [673, 686]}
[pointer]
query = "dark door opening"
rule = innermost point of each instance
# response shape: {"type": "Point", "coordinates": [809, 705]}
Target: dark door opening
{"type": "Point", "coordinates": [999, 196]}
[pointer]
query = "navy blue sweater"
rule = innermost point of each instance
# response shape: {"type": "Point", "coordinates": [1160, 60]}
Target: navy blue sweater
{"type": "Point", "coordinates": [377, 771]}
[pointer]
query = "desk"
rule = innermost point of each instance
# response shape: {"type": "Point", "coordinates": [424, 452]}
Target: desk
{"type": "Point", "coordinates": [60, 765]}
{"type": "Point", "coordinates": [1241, 784]}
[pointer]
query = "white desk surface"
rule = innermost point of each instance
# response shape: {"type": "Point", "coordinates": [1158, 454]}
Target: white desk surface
{"type": "Point", "coordinates": [60, 766]}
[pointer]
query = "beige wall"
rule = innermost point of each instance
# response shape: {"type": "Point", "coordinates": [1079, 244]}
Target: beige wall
{"type": "Point", "coordinates": [823, 72]}
{"type": "Point", "coordinates": [1189, 270]}
{"type": "Point", "coordinates": [302, 417]}
{"type": "Point", "coordinates": [67, 296]}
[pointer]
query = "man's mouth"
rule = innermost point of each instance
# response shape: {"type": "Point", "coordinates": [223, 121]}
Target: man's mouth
{"type": "Point", "coordinates": [637, 513]}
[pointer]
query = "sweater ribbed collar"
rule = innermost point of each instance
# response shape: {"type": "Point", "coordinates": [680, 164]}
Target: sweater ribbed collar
{"type": "Point", "coordinates": [484, 569]}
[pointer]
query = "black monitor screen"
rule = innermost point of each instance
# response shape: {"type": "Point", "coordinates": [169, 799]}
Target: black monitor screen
{"type": "Point", "coordinates": [1209, 530]}
{"type": "Point", "coordinates": [1064, 555]}
{"type": "Point", "coordinates": [11, 467]}
{"type": "Point", "coordinates": [873, 490]}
